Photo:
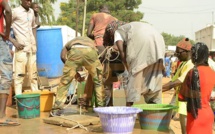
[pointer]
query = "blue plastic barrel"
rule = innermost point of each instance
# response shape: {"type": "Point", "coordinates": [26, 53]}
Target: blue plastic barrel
{"type": "Point", "coordinates": [49, 46]}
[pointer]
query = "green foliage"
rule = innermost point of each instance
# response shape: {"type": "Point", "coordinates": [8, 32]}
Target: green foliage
{"type": "Point", "coordinates": [46, 10]}
{"type": "Point", "coordinates": [14, 3]}
{"type": "Point", "coordinates": [114, 5]}
{"type": "Point", "coordinates": [121, 9]}
{"type": "Point", "coordinates": [171, 40]}
{"type": "Point", "coordinates": [68, 14]}
{"type": "Point", "coordinates": [128, 15]}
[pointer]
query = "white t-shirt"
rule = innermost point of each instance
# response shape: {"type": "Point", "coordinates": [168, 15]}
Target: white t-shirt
{"type": "Point", "coordinates": [117, 36]}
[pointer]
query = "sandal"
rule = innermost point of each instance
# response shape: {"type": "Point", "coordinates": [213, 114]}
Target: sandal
{"type": "Point", "coordinates": [9, 122]}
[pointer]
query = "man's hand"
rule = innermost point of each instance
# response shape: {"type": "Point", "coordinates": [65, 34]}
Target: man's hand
{"type": "Point", "coordinates": [166, 86]}
{"type": "Point", "coordinates": [18, 46]}
{"type": "Point", "coordinates": [171, 85]}
{"type": "Point", "coordinates": [91, 36]}
{"type": "Point", "coordinates": [115, 48]}
{"type": "Point", "coordinates": [5, 36]}
{"type": "Point", "coordinates": [78, 77]}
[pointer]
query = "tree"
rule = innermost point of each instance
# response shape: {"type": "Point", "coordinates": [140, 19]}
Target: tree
{"type": "Point", "coordinates": [121, 9]}
{"type": "Point", "coordinates": [171, 40]}
{"type": "Point", "coordinates": [46, 10]}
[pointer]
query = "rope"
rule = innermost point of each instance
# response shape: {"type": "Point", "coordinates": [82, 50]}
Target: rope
{"type": "Point", "coordinates": [101, 54]}
{"type": "Point", "coordinates": [76, 86]}
{"type": "Point", "coordinates": [107, 52]}
{"type": "Point", "coordinates": [78, 124]}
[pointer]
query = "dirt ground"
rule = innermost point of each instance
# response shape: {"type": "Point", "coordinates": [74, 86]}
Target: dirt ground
{"type": "Point", "coordinates": [37, 126]}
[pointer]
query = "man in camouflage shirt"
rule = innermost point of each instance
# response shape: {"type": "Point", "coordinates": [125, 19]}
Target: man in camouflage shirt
{"type": "Point", "coordinates": [79, 52]}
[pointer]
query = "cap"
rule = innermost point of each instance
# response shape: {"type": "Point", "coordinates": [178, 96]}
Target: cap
{"type": "Point", "coordinates": [185, 44]}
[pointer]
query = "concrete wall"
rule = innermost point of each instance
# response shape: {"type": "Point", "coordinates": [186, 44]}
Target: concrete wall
{"type": "Point", "coordinates": [207, 36]}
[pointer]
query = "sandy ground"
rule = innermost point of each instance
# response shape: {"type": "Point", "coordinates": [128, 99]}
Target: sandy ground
{"type": "Point", "coordinates": [37, 126]}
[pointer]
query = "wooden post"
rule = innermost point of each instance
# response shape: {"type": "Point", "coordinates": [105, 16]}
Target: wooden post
{"type": "Point", "coordinates": [84, 17]}
{"type": "Point", "coordinates": [77, 16]}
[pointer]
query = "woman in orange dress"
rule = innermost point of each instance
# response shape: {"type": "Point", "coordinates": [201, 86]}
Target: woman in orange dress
{"type": "Point", "coordinates": [196, 90]}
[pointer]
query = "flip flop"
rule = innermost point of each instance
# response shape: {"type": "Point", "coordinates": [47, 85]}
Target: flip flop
{"type": "Point", "coordinates": [9, 122]}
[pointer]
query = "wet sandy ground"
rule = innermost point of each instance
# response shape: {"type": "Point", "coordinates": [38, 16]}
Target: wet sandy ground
{"type": "Point", "coordinates": [37, 126]}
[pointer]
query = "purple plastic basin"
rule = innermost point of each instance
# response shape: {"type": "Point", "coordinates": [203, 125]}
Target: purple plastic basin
{"type": "Point", "coordinates": [117, 119]}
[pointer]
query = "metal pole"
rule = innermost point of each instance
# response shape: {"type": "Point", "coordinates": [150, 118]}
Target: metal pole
{"type": "Point", "coordinates": [84, 17]}
{"type": "Point", "coordinates": [77, 15]}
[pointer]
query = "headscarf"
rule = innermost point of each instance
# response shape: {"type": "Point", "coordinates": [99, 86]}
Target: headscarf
{"type": "Point", "coordinates": [191, 89]}
{"type": "Point", "coordinates": [200, 54]}
{"type": "Point", "coordinates": [109, 32]}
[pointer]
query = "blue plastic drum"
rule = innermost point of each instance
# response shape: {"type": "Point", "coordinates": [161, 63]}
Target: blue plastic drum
{"type": "Point", "coordinates": [49, 46]}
